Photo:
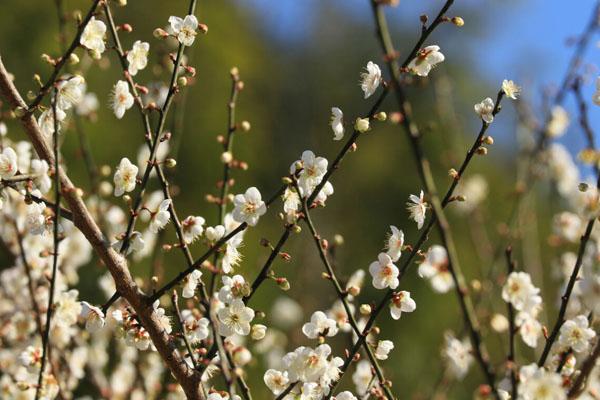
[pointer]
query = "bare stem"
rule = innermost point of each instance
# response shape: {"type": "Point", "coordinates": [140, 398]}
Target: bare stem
{"type": "Point", "coordinates": [49, 311]}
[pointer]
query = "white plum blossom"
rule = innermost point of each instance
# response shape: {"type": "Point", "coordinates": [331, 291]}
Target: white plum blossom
{"type": "Point", "coordinates": [319, 326]}
{"type": "Point", "coordinates": [125, 177]}
{"type": "Point", "coordinates": [46, 120]}
{"type": "Point", "coordinates": [214, 233]}
{"type": "Point", "coordinates": [191, 282]}
{"type": "Point", "coordinates": [249, 207]}
{"type": "Point", "coordinates": [93, 36]}
{"type": "Point", "coordinates": [161, 217]}
{"type": "Point", "coordinates": [36, 222]}
{"type": "Point", "coordinates": [371, 79]}
{"type": "Point", "coordinates": [93, 316]}
{"type": "Point", "coordinates": [235, 319]}
{"type": "Point", "coordinates": [520, 292]}
{"type": "Point", "coordinates": [184, 29]}
{"type": "Point", "coordinates": [70, 92]}
{"type": "Point", "coordinates": [42, 181]}
{"type": "Point", "coordinates": [485, 110]}
{"type": "Point", "coordinates": [435, 269]}
{"type": "Point", "coordinates": [195, 329]}
{"type": "Point", "coordinates": [395, 243]}
{"type": "Point", "coordinates": [121, 99]}
{"type": "Point", "coordinates": [192, 228]}
{"type": "Point", "coordinates": [510, 89]}
{"type": "Point", "coordinates": [402, 302]}
{"type": "Point", "coordinates": [276, 381]}
{"type": "Point", "coordinates": [345, 395]}
{"type": "Point", "coordinates": [163, 318]}
{"type": "Point", "coordinates": [234, 287]}
{"type": "Point", "coordinates": [568, 226]}
{"type": "Point", "coordinates": [88, 105]}
{"type": "Point", "coordinates": [425, 60]}
{"type": "Point", "coordinates": [475, 190]}
{"type": "Point", "coordinates": [308, 365]}
{"type": "Point", "coordinates": [313, 170]}
{"type": "Point", "coordinates": [67, 308]}
{"type": "Point", "coordinates": [136, 243]}
{"type": "Point", "coordinates": [576, 334]}
{"type": "Point", "coordinates": [559, 122]}
{"type": "Point", "coordinates": [137, 57]}
{"type": "Point", "coordinates": [384, 272]}
{"type": "Point", "coordinates": [537, 383]}
{"type": "Point", "coordinates": [337, 123]}
{"type": "Point", "coordinates": [363, 377]}
{"type": "Point", "coordinates": [383, 349]}
{"type": "Point", "coordinates": [530, 328]}
{"type": "Point", "coordinates": [457, 355]}
{"type": "Point", "coordinates": [8, 163]}
{"type": "Point", "coordinates": [417, 207]}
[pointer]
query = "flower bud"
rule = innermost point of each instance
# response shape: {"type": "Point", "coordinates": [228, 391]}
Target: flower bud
{"type": "Point", "coordinates": [258, 331]}
{"type": "Point", "coordinates": [182, 81]}
{"type": "Point", "coordinates": [365, 309]}
{"type": "Point", "coordinates": [458, 21]}
{"type": "Point", "coordinates": [381, 116]}
{"type": "Point", "coordinates": [203, 28]}
{"type": "Point", "coordinates": [19, 111]}
{"type": "Point", "coordinates": [73, 59]}
{"type": "Point", "coordinates": [226, 157]}
{"type": "Point", "coordinates": [160, 33]}
{"type": "Point", "coordinates": [170, 163]}
{"type": "Point", "coordinates": [453, 173]}
{"type": "Point", "coordinates": [245, 126]}
{"type": "Point", "coordinates": [234, 72]}
{"type": "Point", "coordinates": [122, 3]}
{"type": "Point", "coordinates": [361, 125]}
{"type": "Point", "coordinates": [488, 140]}
{"type": "Point", "coordinates": [338, 239]}
{"type": "Point", "coordinates": [482, 151]}
{"type": "Point", "coordinates": [354, 291]}
{"type": "Point", "coordinates": [283, 284]}
{"type": "Point", "coordinates": [105, 188]}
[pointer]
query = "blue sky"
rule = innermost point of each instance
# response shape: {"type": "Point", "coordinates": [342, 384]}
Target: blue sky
{"type": "Point", "coordinates": [524, 40]}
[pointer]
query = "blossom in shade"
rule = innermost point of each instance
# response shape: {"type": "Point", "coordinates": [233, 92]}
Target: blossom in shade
{"type": "Point", "coordinates": [137, 57]}
{"type": "Point", "coordinates": [337, 123]}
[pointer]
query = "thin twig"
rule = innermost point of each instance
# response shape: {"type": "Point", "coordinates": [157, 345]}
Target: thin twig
{"type": "Point", "coordinates": [416, 247]}
{"type": "Point", "coordinates": [57, 193]}
{"type": "Point", "coordinates": [175, 299]}
{"type": "Point", "coordinates": [413, 134]}
{"type": "Point", "coordinates": [342, 295]}
{"type": "Point", "coordinates": [63, 59]}
{"type": "Point", "coordinates": [511, 331]}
